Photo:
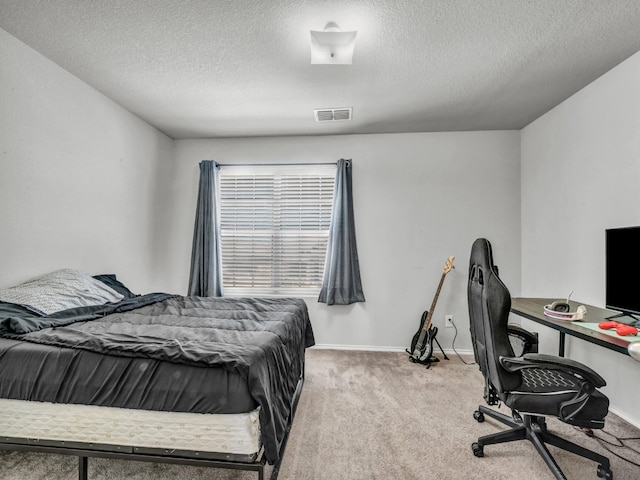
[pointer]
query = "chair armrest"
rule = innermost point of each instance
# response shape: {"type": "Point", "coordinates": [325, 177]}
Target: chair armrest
{"type": "Point", "coordinates": [539, 360]}
{"type": "Point", "coordinates": [530, 339]}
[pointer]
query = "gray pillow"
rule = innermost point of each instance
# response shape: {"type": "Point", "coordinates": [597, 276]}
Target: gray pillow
{"type": "Point", "coordinates": [60, 290]}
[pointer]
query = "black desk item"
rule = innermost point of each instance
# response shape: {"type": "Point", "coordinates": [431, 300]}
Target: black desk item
{"type": "Point", "coordinates": [533, 309]}
{"type": "Point", "coordinates": [532, 385]}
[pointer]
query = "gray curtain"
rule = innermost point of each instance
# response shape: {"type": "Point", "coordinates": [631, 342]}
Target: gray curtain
{"type": "Point", "coordinates": [341, 282]}
{"type": "Point", "coordinates": [205, 279]}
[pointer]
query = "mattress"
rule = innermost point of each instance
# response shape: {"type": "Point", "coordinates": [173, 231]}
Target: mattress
{"type": "Point", "coordinates": [215, 436]}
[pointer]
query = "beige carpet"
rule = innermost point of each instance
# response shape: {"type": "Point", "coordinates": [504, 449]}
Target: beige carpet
{"type": "Point", "coordinates": [374, 415]}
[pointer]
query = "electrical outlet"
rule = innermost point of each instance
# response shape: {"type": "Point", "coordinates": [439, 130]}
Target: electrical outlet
{"type": "Point", "coordinates": [448, 321]}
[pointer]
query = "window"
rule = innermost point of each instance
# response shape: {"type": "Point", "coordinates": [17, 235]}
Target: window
{"type": "Point", "coordinates": [274, 228]}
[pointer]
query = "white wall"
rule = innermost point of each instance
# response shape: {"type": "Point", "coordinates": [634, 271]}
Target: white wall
{"type": "Point", "coordinates": [581, 175]}
{"type": "Point", "coordinates": [81, 178]}
{"type": "Point", "coordinates": [419, 198]}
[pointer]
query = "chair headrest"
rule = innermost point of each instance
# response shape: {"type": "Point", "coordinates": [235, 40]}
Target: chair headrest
{"type": "Point", "coordinates": [481, 256]}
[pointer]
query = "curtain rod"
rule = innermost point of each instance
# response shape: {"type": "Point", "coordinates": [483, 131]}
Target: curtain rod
{"type": "Point", "coordinates": [272, 164]}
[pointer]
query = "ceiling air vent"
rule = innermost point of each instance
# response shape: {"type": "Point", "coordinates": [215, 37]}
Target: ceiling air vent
{"type": "Point", "coordinates": [332, 114]}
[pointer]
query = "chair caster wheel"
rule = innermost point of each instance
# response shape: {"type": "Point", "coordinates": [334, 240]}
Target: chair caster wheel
{"type": "Point", "coordinates": [605, 473]}
{"type": "Point", "coordinates": [479, 416]}
{"type": "Point", "coordinates": [478, 450]}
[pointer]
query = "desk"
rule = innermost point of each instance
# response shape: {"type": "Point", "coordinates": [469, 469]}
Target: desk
{"type": "Point", "coordinates": [533, 309]}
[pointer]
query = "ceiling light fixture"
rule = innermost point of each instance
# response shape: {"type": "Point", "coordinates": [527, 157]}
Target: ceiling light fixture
{"type": "Point", "coordinates": [332, 46]}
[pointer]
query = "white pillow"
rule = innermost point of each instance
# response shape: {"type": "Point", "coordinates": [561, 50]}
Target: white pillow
{"type": "Point", "coordinates": [60, 290]}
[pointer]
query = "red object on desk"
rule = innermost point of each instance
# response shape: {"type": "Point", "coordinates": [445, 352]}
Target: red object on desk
{"type": "Point", "coordinates": [620, 328]}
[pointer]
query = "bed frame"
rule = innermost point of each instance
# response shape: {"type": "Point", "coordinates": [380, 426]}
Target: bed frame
{"type": "Point", "coordinates": [85, 450]}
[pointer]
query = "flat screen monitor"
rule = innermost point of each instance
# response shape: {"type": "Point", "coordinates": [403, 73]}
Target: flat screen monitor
{"type": "Point", "coordinates": [622, 266]}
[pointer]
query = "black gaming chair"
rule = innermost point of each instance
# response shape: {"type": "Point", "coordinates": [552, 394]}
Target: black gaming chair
{"type": "Point", "coordinates": [532, 385]}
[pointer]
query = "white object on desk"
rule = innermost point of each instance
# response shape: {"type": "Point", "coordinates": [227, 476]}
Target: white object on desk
{"type": "Point", "coordinates": [634, 350]}
{"type": "Point", "coordinates": [579, 314]}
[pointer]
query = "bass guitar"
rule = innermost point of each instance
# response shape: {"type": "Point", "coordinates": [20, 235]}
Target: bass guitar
{"type": "Point", "coordinates": [421, 348]}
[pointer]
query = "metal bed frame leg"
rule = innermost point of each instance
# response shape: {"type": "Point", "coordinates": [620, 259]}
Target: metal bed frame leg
{"type": "Point", "coordinates": [83, 465]}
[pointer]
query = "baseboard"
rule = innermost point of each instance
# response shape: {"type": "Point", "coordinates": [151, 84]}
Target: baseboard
{"type": "Point", "coordinates": [624, 416]}
{"type": "Point", "coordinates": [457, 351]}
{"type": "Point", "coordinates": [372, 348]}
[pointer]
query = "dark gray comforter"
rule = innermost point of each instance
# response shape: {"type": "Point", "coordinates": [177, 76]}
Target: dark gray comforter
{"type": "Point", "coordinates": [263, 339]}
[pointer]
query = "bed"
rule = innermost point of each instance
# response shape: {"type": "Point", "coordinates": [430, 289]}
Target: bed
{"type": "Point", "coordinates": [88, 368]}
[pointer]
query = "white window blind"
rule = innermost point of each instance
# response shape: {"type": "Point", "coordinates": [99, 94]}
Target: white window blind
{"type": "Point", "coordinates": [274, 228]}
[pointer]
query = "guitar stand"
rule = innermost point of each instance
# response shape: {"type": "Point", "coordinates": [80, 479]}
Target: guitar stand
{"type": "Point", "coordinates": [433, 359]}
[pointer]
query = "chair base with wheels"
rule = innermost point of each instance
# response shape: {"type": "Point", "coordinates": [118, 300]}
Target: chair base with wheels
{"type": "Point", "coordinates": [534, 429]}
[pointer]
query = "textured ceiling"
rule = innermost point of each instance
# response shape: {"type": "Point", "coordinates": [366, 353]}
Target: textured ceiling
{"type": "Point", "coordinates": [223, 68]}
